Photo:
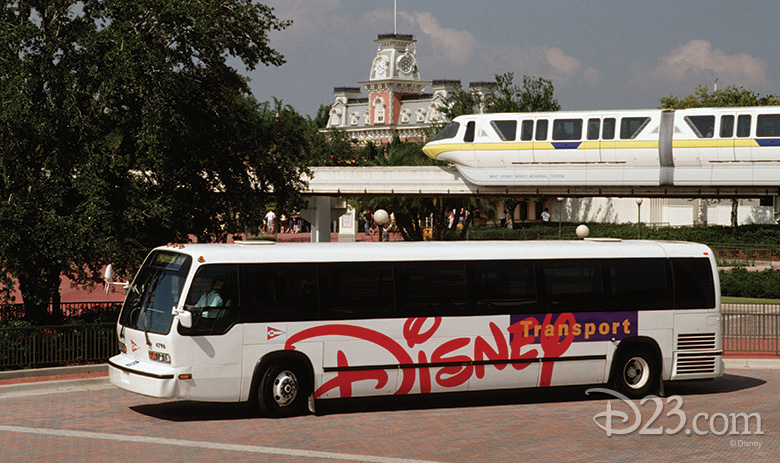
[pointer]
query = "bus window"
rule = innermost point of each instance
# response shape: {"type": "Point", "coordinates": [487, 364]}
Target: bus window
{"type": "Point", "coordinates": [693, 284]}
{"type": "Point", "coordinates": [608, 132]}
{"type": "Point", "coordinates": [541, 130]}
{"type": "Point", "coordinates": [631, 126]}
{"type": "Point", "coordinates": [527, 130]}
{"type": "Point", "coordinates": [507, 130]}
{"type": "Point", "coordinates": [726, 126]}
{"type": "Point", "coordinates": [356, 290]}
{"type": "Point", "coordinates": [638, 284]}
{"type": "Point", "coordinates": [154, 292]}
{"type": "Point", "coordinates": [469, 136]}
{"type": "Point", "coordinates": [432, 288]}
{"type": "Point", "coordinates": [572, 285]}
{"type": "Point", "coordinates": [743, 125]}
{"type": "Point", "coordinates": [504, 286]}
{"type": "Point", "coordinates": [594, 126]}
{"type": "Point", "coordinates": [567, 129]}
{"type": "Point", "coordinates": [702, 126]}
{"type": "Point", "coordinates": [278, 292]}
{"type": "Point", "coordinates": [213, 299]}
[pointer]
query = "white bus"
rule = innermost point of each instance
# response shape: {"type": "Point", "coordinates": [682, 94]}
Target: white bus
{"type": "Point", "coordinates": [284, 324]}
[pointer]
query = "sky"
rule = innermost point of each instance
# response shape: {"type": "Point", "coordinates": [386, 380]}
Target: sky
{"type": "Point", "coordinates": [599, 54]}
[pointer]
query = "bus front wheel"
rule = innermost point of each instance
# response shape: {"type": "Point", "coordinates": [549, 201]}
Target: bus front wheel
{"type": "Point", "coordinates": [281, 391]}
{"type": "Point", "coordinates": [637, 373]}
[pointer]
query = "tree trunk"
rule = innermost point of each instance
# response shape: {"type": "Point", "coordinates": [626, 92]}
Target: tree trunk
{"type": "Point", "coordinates": [734, 216]}
{"type": "Point", "coordinates": [510, 204]}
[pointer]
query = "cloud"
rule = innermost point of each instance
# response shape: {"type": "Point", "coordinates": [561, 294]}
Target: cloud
{"type": "Point", "coordinates": [456, 46]}
{"type": "Point", "coordinates": [698, 59]}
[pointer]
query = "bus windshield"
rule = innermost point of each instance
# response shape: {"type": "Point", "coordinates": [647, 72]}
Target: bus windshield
{"type": "Point", "coordinates": [154, 292]}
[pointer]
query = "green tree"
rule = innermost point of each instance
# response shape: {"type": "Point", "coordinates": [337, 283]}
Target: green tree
{"type": "Point", "coordinates": [730, 96]}
{"type": "Point", "coordinates": [122, 127]}
{"type": "Point", "coordinates": [535, 94]}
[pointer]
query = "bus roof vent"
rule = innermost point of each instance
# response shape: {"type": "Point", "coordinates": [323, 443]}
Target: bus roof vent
{"type": "Point", "coordinates": [605, 240]}
{"type": "Point", "coordinates": [254, 242]}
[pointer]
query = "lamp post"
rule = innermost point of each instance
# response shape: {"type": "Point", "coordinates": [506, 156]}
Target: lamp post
{"type": "Point", "coordinates": [638, 218]}
{"type": "Point", "coordinates": [560, 214]}
{"type": "Point", "coordinates": [381, 218]}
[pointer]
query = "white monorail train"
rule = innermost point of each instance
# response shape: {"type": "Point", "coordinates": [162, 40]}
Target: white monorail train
{"type": "Point", "coordinates": [690, 147]}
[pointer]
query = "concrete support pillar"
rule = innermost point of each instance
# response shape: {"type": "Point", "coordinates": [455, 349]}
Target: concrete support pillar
{"type": "Point", "coordinates": [320, 212]}
{"type": "Point", "coordinates": [347, 226]}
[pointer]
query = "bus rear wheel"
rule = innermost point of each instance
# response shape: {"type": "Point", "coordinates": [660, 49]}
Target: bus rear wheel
{"type": "Point", "coordinates": [637, 373]}
{"type": "Point", "coordinates": [281, 391]}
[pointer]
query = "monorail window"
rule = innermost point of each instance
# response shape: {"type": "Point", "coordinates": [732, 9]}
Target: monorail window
{"type": "Point", "coordinates": [702, 126]}
{"type": "Point", "coordinates": [567, 129]}
{"type": "Point", "coordinates": [693, 283]}
{"type": "Point", "coordinates": [572, 285]}
{"type": "Point", "coordinates": [276, 292]}
{"type": "Point", "coordinates": [470, 128]}
{"type": "Point", "coordinates": [507, 130]}
{"type": "Point", "coordinates": [432, 288]}
{"type": "Point", "coordinates": [356, 290]}
{"type": "Point", "coordinates": [630, 127]}
{"type": "Point", "coordinates": [504, 286]}
{"type": "Point", "coordinates": [541, 130]}
{"type": "Point", "coordinates": [608, 131]}
{"type": "Point", "coordinates": [527, 130]}
{"type": "Point", "coordinates": [449, 131]}
{"type": "Point", "coordinates": [743, 125]}
{"type": "Point", "coordinates": [594, 126]}
{"type": "Point", "coordinates": [726, 126]}
{"type": "Point", "coordinates": [768, 125]}
{"type": "Point", "coordinates": [638, 284]}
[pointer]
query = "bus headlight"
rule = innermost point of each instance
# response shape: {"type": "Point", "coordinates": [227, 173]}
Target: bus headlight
{"type": "Point", "coordinates": [159, 357]}
{"type": "Point", "coordinates": [122, 347]}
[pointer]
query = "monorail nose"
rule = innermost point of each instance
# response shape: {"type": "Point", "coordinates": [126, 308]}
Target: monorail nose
{"type": "Point", "coordinates": [430, 151]}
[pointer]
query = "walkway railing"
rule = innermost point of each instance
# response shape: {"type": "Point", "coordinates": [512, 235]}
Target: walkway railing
{"type": "Point", "coordinates": [47, 346]}
{"type": "Point", "coordinates": [753, 328]}
{"type": "Point", "coordinates": [744, 255]}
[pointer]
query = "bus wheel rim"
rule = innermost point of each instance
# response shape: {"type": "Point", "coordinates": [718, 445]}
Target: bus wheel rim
{"type": "Point", "coordinates": [285, 388]}
{"type": "Point", "coordinates": [636, 372]}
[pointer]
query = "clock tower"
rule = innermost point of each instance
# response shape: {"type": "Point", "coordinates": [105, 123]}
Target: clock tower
{"type": "Point", "coordinates": [394, 77]}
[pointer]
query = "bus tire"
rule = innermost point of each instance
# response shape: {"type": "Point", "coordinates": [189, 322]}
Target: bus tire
{"type": "Point", "coordinates": [282, 391]}
{"type": "Point", "coordinates": [637, 373]}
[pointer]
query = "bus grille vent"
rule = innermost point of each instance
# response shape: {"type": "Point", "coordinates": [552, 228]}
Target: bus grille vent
{"type": "Point", "coordinates": [696, 341]}
{"type": "Point", "coordinates": [689, 363]}
{"type": "Point", "coordinates": [690, 359]}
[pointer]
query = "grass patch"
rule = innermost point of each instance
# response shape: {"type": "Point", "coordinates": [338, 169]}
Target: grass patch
{"type": "Point", "coordinates": [747, 300]}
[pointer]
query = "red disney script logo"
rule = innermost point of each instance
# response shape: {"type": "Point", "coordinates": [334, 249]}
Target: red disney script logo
{"type": "Point", "coordinates": [554, 338]}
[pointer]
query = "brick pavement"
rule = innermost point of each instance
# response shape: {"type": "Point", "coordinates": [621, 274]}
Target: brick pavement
{"type": "Point", "coordinates": [522, 425]}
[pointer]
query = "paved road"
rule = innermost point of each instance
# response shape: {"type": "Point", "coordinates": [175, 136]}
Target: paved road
{"type": "Point", "coordinates": [108, 424]}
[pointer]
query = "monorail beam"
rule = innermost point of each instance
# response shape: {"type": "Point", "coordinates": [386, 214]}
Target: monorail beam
{"type": "Point", "coordinates": [447, 181]}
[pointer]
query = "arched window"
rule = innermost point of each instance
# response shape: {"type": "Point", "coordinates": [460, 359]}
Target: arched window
{"type": "Point", "coordinates": [379, 110]}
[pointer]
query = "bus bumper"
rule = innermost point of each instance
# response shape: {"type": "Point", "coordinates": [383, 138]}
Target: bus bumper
{"type": "Point", "coordinates": [142, 377]}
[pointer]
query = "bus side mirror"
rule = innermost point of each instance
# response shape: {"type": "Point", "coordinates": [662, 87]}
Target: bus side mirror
{"type": "Point", "coordinates": [185, 318]}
